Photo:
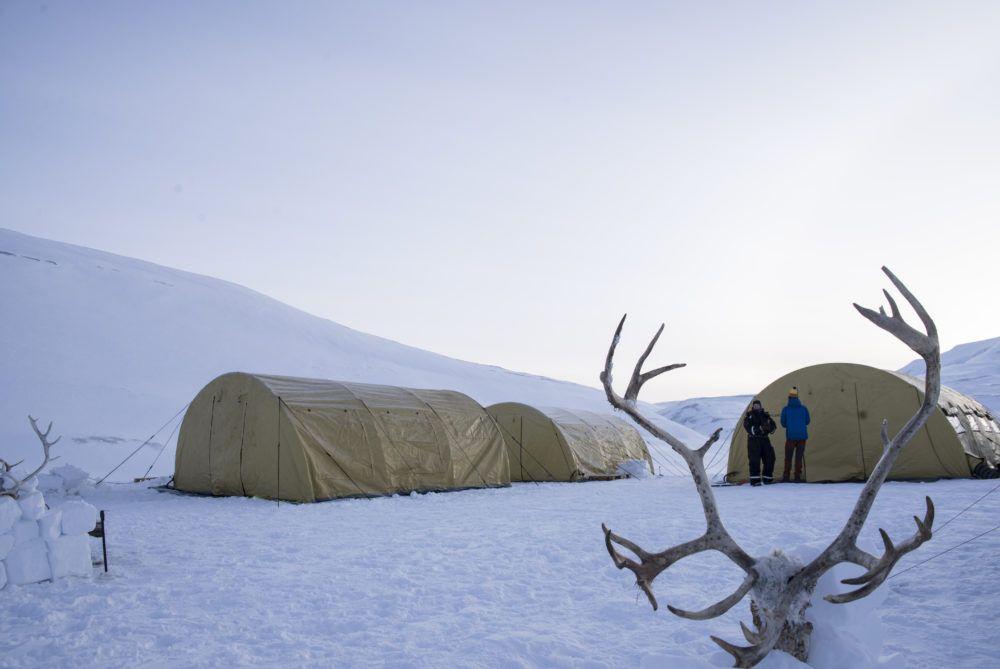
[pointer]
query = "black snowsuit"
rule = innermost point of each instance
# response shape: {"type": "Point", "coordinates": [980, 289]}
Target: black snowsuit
{"type": "Point", "coordinates": [759, 426]}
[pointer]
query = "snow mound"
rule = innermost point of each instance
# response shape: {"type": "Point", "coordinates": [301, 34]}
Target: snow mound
{"type": "Point", "coordinates": [636, 469]}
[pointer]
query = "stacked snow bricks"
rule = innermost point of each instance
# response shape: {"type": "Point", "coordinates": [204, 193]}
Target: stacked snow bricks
{"type": "Point", "coordinates": [40, 544]}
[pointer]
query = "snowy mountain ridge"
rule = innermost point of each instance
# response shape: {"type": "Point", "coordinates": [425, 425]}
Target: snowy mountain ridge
{"type": "Point", "coordinates": [110, 347]}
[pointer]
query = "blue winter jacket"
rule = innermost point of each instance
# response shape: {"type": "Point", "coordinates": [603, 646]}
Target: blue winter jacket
{"type": "Point", "coordinates": [794, 419]}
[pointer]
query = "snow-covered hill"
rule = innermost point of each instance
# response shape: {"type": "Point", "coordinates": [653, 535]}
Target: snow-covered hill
{"type": "Point", "coordinates": [972, 368]}
{"type": "Point", "coordinates": [705, 414]}
{"type": "Point", "coordinates": [110, 348]}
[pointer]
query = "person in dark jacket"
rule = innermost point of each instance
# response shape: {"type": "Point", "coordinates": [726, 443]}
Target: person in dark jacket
{"type": "Point", "coordinates": [759, 426]}
{"type": "Point", "coordinates": [795, 418]}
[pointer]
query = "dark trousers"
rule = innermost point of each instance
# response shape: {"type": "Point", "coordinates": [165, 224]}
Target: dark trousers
{"type": "Point", "coordinates": [760, 451]}
{"type": "Point", "coordinates": [798, 447]}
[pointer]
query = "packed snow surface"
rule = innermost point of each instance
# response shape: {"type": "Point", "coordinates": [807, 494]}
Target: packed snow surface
{"type": "Point", "coordinates": [514, 577]}
{"type": "Point", "coordinates": [109, 348]}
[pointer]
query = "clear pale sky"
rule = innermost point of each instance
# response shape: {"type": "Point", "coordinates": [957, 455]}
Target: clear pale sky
{"type": "Point", "coordinates": [500, 183]}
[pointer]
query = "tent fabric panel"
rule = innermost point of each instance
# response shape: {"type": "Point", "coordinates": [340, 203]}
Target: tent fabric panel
{"type": "Point", "coordinates": [598, 443]}
{"type": "Point", "coordinates": [478, 453]}
{"type": "Point", "coordinates": [343, 460]}
{"type": "Point", "coordinates": [977, 429]}
{"type": "Point", "coordinates": [228, 416]}
{"type": "Point", "coordinates": [191, 470]}
{"type": "Point", "coordinates": [547, 443]}
{"type": "Point", "coordinates": [535, 448]}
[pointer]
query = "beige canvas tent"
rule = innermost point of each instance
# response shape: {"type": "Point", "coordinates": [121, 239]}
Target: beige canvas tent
{"type": "Point", "coordinates": [546, 444]}
{"type": "Point", "coordinates": [847, 403]}
{"type": "Point", "coordinates": [307, 440]}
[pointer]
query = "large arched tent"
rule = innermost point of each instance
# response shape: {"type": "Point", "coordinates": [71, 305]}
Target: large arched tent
{"type": "Point", "coordinates": [847, 403]}
{"type": "Point", "coordinates": [307, 440]}
{"type": "Point", "coordinates": [547, 444]}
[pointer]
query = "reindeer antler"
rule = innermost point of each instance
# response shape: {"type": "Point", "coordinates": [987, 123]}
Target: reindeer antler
{"type": "Point", "coordinates": [716, 537]}
{"type": "Point", "coordinates": [844, 547]}
{"type": "Point", "coordinates": [46, 445]}
{"type": "Point", "coordinates": [775, 616]}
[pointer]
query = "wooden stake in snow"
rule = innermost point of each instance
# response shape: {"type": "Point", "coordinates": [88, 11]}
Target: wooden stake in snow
{"type": "Point", "coordinates": [780, 588]}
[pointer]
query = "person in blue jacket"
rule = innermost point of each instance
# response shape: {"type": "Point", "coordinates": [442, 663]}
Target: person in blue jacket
{"type": "Point", "coordinates": [795, 418]}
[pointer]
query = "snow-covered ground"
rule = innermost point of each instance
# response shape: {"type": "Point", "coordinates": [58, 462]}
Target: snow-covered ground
{"type": "Point", "coordinates": [513, 577]}
{"type": "Point", "coordinates": [110, 348]}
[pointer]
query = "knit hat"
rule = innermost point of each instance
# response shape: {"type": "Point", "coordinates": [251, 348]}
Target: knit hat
{"type": "Point", "coordinates": [794, 392]}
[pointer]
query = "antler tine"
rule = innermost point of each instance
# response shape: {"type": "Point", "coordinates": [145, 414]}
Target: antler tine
{"type": "Point", "coordinates": [720, 607]}
{"type": "Point", "coordinates": [925, 317]}
{"type": "Point", "coordinates": [879, 572]}
{"type": "Point", "coordinates": [708, 444]}
{"type": "Point", "coordinates": [605, 375]}
{"type": "Point", "coordinates": [924, 344]}
{"type": "Point", "coordinates": [751, 636]}
{"type": "Point", "coordinates": [644, 572]}
{"type": "Point", "coordinates": [638, 377]}
{"type": "Point", "coordinates": [892, 304]}
{"type": "Point", "coordinates": [745, 656]}
{"type": "Point", "coordinates": [651, 565]}
{"type": "Point", "coordinates": [43, 436]}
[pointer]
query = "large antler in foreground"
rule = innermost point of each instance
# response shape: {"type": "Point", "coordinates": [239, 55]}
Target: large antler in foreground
{"type": "Point", "coordinates": [5, 468]}
{"type": "Point", "coordinates": [781, 591]}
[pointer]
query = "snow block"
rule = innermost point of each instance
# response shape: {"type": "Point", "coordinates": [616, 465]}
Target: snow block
{"type": "Point", "coordinates": [73, 477]}
{"type": "Point", "coordinates": [28, 563]}
{"type": "Point", "coordinates": [70, 556]}
{"type": "Point", "coordinates": [32, 505]}
{"type": "Point", "coordinates": [78, 517]}
{"type": "Point", "coordinates": [25, 531]}
{"type": "Point", "coordinates": [29, 486]}
{"type": "Point", "coordinates": [50, 525]}
{"type": "Point", "coordinates": [10, 513]}
{"type": "Point", "coordinates": [50, 483]}
{"type": "Point", "coordinates": [6, 543]}
{"type": "Point", "coordinates": [3, 576]}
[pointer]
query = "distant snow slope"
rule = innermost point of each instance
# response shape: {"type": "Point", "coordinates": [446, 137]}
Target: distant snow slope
{"type": "Point", "coordinates": [705, 414]}
{"type": "Point", "coordinates": [972, 368]}
{"type": "Point", "coordinates": [110, 348]}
